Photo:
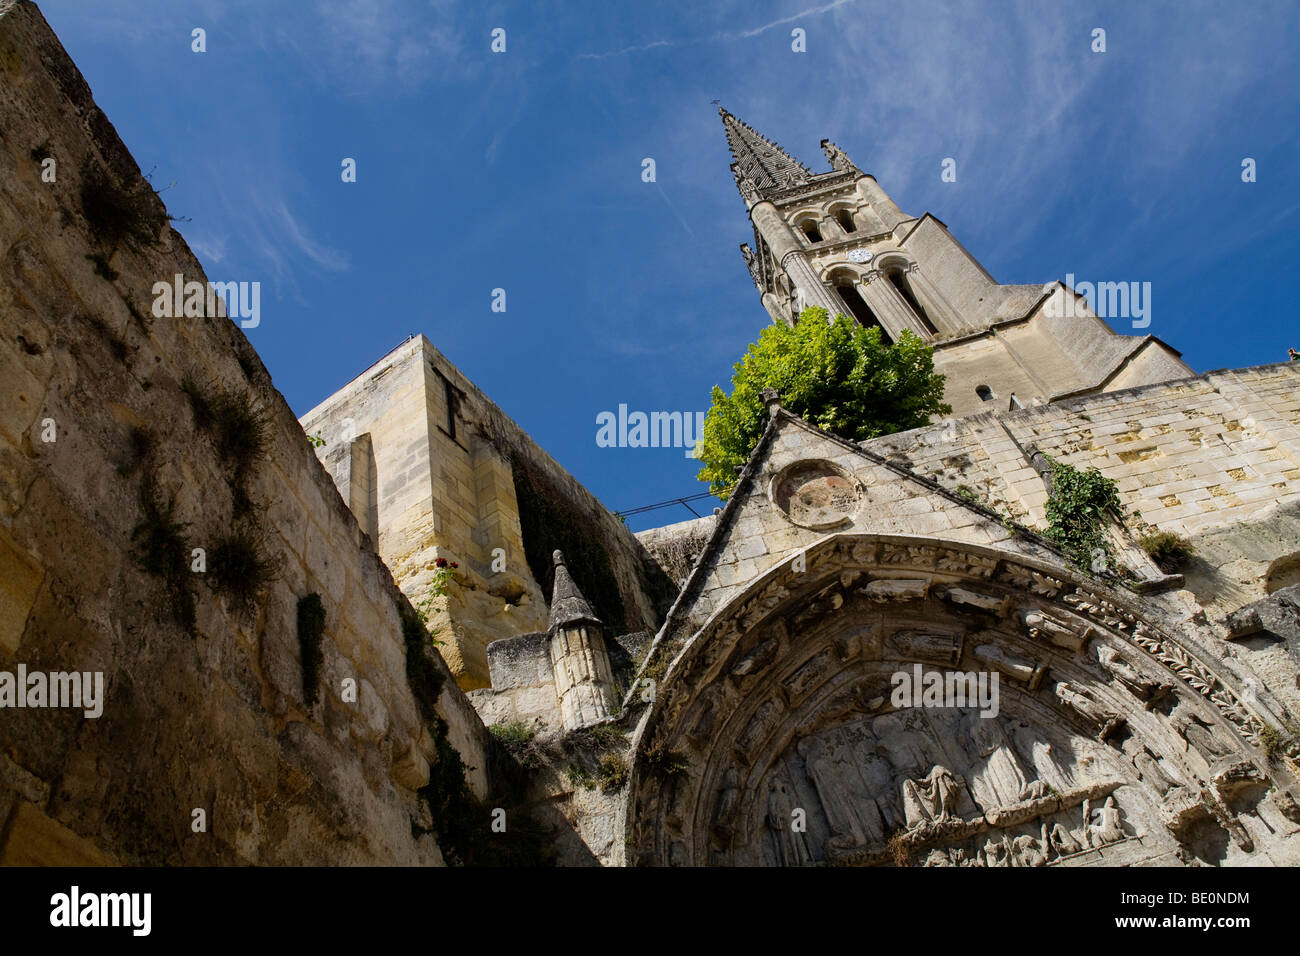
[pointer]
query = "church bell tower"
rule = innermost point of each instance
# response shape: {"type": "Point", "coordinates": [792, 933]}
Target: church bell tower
{"type": "Point", "coordinates": [836, 240]}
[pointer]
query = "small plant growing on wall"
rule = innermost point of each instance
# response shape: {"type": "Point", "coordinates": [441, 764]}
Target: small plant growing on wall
{"type": "Point", "coordinates": [159, 549]}
{"type": "Point", "coordinates": [1170, 552]}
{"type": "Point", "coordinates": [1078, 509]}
{"type": "Point", "coordinates": [311, 629]}
{"type": "Point", "coordinates": [612, 772]}
{"type": "Point", "coordinates": [444, 572]}
{"type": "Point", "coordinates": [239, 429]}
{"type": "Point", "coordinates": [240, 568]}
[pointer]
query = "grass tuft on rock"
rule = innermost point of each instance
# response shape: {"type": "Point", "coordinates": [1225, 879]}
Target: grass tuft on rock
{"type": "Point", "coordinates": [240, 568]}
{"type": "Point", "coordinates": [159, 549]}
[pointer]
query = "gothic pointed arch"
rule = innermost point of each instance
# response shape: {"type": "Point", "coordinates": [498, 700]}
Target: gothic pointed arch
{"type": "Point", "coordinates": [777, 737]}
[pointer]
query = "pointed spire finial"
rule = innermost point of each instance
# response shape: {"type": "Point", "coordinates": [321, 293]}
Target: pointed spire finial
{"type": "Point", "coordinates": [760, 164]}
{"type": "Point", "coordinates": [568, 606]}
{"type": "Point", "coordinates": [838, 159]}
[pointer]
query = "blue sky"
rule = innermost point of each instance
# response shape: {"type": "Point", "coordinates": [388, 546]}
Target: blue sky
{"type": "Point", "coordinates": [522, 171]}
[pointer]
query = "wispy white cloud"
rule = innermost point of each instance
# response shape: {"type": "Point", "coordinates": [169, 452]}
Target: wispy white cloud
{"type": "Point", "coordinates": [322, 255]}
{"type": "Point", "coordinates": [210, 249]}
{"type": "Point", "coordinates": [719, 36]}
{"type": "Point", "coordinates": [626, 50]}
{"type": "Point", "coordinates": [801, 15]}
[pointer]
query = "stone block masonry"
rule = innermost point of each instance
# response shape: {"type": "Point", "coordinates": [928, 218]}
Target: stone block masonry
{"type": "Point", "coordinates": [447, 475]}
{"type": "Point", "coordinates": [105, 466]}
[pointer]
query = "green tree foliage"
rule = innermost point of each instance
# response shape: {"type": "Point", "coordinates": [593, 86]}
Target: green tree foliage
{"type": "Point", "coordinates": [837, 375]}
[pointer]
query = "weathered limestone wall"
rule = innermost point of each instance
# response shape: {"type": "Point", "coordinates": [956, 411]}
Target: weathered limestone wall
{"type": "Point", "coordinates": [1211, 458]}
{"type": "Point", "coordinates": [1215, 458]}
{"type": "Point", "coordinates": [1044, 355]}
{"type": "Point", "coordinates": [215, 721]}
{"type": "Point", "coordinates": [761, 536]}
{"type": "Point", "coordinates": [466, 484]}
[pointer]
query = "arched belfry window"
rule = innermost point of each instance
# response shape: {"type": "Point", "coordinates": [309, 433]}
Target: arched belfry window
{"type": "Point", "coordinates": [845, 218]}
{"type": "Point", "coordinates": [809, 229]}
{"type": "Point", "coordinates": [984, 392]}
{"type": "Point", "coordinates": [845, 285]}
{"type": "Point", "coordinates": [898, 278]}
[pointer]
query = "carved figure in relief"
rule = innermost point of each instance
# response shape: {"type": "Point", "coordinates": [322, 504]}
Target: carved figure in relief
{"type": "Point", "coordinates": [703, 729]}
{"type": "Point", "coordinates": [830, 778]}
{"type": "Point", "coordinates": [997, 778]}
{"type": "Point", "coordinates": [932, 799]}
{"type": "Point", "coordinates": [996, 852]}
{"type": "Point", "coordinates": [1043, 755]}
{"type": "Point", "coordinates": [757, 660]}
{"type": "Point", "coordinates": [791, 849]}
{"type": "Point", "coordinates": [1082, 703]}
{"type": "Point", "coordinates": [1030, 851]}
{"type": "Point", "coordinates": [885, 590]}
{"type": "Point", "coordinates": [1153, 774]}
{"type": "Point", "coordinates": [879, 778]}
{"type": "Point", "coordinates": [824, 603]}
{"type": "Point", "coordinates": [1063, 841]}
{"type": "Point", "coordinates": [1127, 676]}
{"type": "Point", "coordinates": [1042, 626]}
{"type": "Point", "coordinates": [904, 749]}
{"type": "Point", "coordinates": [758, 727]}
{"type": "Point", "coordinates": [846, 751]}
{"type": "Point", "coordinates": [1198, 736]}
{"type": "Point", "coordinates": [1014, 667]}
{"type": "Point", "coordinates": [1107, 828]}
{"type": "Point", "coordinates": [725, 809]}
{"type": "Point", "coordinates": [976, 599]}
{"type": "Point", "coordinates": [947, 734]}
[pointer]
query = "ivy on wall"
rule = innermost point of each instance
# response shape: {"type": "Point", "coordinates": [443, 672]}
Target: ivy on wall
{"type": "Point", "coordinates": [1078, 508]}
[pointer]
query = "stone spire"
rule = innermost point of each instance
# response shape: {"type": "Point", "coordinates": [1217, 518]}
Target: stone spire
{"type": "Point", "coordinates": [568, 606]}
{"type": "Point", "coordinates": [838, 159]}
{"type": "Point", "coordinates": [759, 164]}
{"type": "Point", "coordinates": [584, 683]}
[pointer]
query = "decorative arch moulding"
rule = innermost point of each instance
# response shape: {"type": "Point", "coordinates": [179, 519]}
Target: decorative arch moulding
{"type": "Point", "coordinates": [1112, 716]}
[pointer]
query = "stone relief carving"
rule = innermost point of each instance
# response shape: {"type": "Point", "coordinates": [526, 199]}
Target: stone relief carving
{"type": "Point", "coordinates": [1044, 627]}
{"type": "Point", "coordinates": [1146, 689]}
{"type": "Point", "coordinates": [1000, 789]}
{"type": "Point", "coordinates": [1083, 703]}
{"type": "Point", "coordinates": [815, 494]}
{"type": "Point", "coordinates": [884, 590]}
{"type": "Point", "coordinates": [997, 779]}
{"type": "Point", "coordinates": [791, 849]}
{"type": "Point", "coordinates": [933, 799]}
{"type": "Point", "coordinates": [1028, 672]}
{"type": "Point", "coordinates": [724, 810]}
{"type": "Point", "coordinates": [984, 602]}
{"type": "Point", "coordinates": [933, 648]}
{"type": "Point", "coordinates": [1003, 791]}
{"type": "Point", "coordinates": [757, 660]}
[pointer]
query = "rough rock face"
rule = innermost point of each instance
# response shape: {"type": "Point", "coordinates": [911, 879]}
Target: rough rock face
{"type": "Point", "coordinates": [111, 474]}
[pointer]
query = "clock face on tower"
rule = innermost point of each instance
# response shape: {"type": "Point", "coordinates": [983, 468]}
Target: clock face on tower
{"type": "Point", "coordinates": [859, 255]}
